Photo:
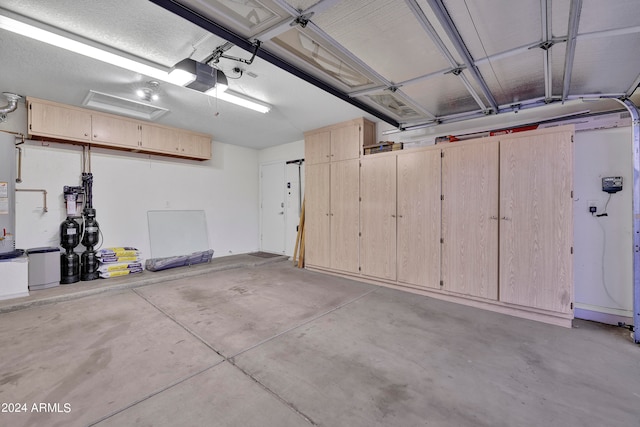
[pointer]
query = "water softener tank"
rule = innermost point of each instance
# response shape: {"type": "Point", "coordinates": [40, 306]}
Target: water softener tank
{"type": "Point", "coordinates": [7, 192]}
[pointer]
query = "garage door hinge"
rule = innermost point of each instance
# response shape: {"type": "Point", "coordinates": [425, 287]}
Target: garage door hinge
{"type": "Point", "coordinates": [571, 138]}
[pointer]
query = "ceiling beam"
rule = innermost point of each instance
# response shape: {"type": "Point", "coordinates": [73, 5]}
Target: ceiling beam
{"type": "Point", "coordinates": [435, 38]}
{"type": "Point", "coordinates": [572, 33]}
{"type": "Point", "coordinates": [247, 45]}
{"type": "Point", "coordinates": [454, 36]}
{"type": "Point", "coordinates": [545, 11]}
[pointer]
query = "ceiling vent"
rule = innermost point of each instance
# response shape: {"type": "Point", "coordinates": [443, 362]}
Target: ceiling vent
{"type": "Point", "coordinates": [122, 106]}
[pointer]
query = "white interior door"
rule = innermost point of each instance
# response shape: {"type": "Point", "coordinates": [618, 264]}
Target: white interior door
{"type": "Point", "coordinates": [273, 210]}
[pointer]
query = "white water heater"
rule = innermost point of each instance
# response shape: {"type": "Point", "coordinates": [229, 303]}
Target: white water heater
{"type": "Point", "coordinates": [7, 192]}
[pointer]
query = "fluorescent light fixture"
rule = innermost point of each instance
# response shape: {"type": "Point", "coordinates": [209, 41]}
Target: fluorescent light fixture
{"type": "Point", "coordinates": [241, 100]}
{"type": "Point", "coordinates": [63, 42]}
{"type": "Point", "coordinates": [175, 76]}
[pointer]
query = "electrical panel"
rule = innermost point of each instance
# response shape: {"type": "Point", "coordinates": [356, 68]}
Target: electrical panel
{"type": "Point", "coordinates": [612, 184]}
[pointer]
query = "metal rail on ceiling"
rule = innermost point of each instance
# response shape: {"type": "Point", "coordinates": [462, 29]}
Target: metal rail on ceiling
{"type": "Point", "coordinates": [438, 7]}
{"type": "Point", "coordinates": [572, 33]}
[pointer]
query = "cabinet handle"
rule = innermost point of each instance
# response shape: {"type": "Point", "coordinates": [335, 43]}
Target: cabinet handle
{"type": "Point", "coordinates": [95, 136]}
{"type": "Point", "coordinates": [393, 216]}
{"type": "Point", "coordinates": [506, 218]}
{"type": "Point", "coordinates": [331, 214]}
{"type": "Point", "coordinates": [399, 216]}
{"type": "Point", "coordinates": [494, 217]}
{"type": "Point", "coordinates": [86, 134]}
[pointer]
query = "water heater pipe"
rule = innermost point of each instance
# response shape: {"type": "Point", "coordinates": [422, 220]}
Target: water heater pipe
{"type": "Point", "coordinates": [44, 195]}
{"type": "Point", "coordinates": [11, 106]}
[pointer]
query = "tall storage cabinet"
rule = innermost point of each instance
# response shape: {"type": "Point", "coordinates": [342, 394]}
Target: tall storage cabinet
{"type": "Point", "coordinates": [470, 219]}
{"type": "Point", "coordinates": [332, 207]}
{"type": "Point", "coordinates": [378, 220]}
{"type": "Point", "coordinates": [536, 220]}
{"type": "Point", "coordinates": [317, 215]}
{"type": "Point", "coordinates": [485, 222]}
{"type": "Point", "coordinates": [419, 218]}
{"type": "Point", "coordinates": [400, 218]}
{"type": "Point", "coordinates": [344, 216]}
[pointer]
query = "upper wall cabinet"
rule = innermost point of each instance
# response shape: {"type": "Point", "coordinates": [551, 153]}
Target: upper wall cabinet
{"type": "Point", "coordinates": [342, 141]}
{"type": "Point", "coordinates": [115, 131]}
{"type": "Point", "coordinates": [66, 123]}
{"type": "Point", "coordinates": [58, 121]}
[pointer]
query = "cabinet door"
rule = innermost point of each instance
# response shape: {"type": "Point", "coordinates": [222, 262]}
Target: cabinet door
{"type": "Point", "coordinates": [345, 142]}
{"type": "Point", "coordinates": [195, 145]}
{"type": "Point", "coordinates": [115, 131]}
{"type": "Point", "coordinates": [470, 219]}
{"type": "Point", "coordinates": [536, 221]}
{"type": "Point", "coordinates": [59, 122]}
{"type": "Point", "coordinates": [345, 215]}
{"type": "Point", "coordinates": [316, 222]}
{"type": "Point", "coordinates": [378, 217]}
{"type": "Point", "coordinates": [419, 218]}
{"type": "Point", "coordinates": [158, 138]}
{"type": "Point", "coordinates": [317, 148]}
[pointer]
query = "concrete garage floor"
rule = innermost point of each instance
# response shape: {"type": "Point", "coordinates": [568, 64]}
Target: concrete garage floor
{"type": "Point", "coordinates": [272, 345]}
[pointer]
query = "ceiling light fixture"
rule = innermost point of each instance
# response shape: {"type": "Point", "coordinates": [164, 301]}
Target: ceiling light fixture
{"type": "Point", "coordinates": [54, 37]}
{"type": "Point", "coordinates": [241, 100]}
{"type": "Point", "coordinates": [50, 36]}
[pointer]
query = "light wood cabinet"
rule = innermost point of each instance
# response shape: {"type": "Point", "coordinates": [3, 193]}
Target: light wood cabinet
{"type": "Point", "coordinates": [51, 120]}
{"type": "Point", "coordinates": [342, 141]}
{"type": "Point", "coordinates": [317, 148]}
{"type": "Point", "coordinates": [58, 121]}
{"type": "Point", "coordinates": [195, 145]}
{"type": "Point", "coordinates": [317, 210]}
{"type": "Point", "coordinates": [332, 215]}
{"type": "Point", "coordinates": [536, 221]}
{"type": "Point", "coordinates": [470, 219]}
{"type": "Point", "coordinates": [419, 218]}
{"type": "Point", "coordinates": [378, 220]}
{"type": "Point", "coordinates": [484, 222]}
{"type": "Point", "coordinates": [345, 215]}
{"type": "Point", "coordinates": [160, 138]}
{"type": "Point", "coordinates": [346, 141]}
{"type": "Point", "coordinates": [115, 131]}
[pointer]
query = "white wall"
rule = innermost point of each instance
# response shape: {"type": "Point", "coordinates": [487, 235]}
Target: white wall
{"type": "Point", "coordinates": [127, 185]}
{"type": "Point", "coordinates": [283, 153]}
{"type": "Point", "coordinates": [603, 257]}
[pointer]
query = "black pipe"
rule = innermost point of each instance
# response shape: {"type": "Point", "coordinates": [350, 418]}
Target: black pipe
{"type": "Point", "coordinates": [245, 44]}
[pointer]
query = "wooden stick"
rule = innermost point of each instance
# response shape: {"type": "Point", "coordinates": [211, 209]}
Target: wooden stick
{"type": "Point", "coordinates": [299, 236]}
{"type": "Point", "coordinates": [301, 257]}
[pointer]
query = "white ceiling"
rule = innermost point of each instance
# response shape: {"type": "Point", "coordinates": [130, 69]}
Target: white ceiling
{"type": "Point", "coordinates": [360, 48]}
